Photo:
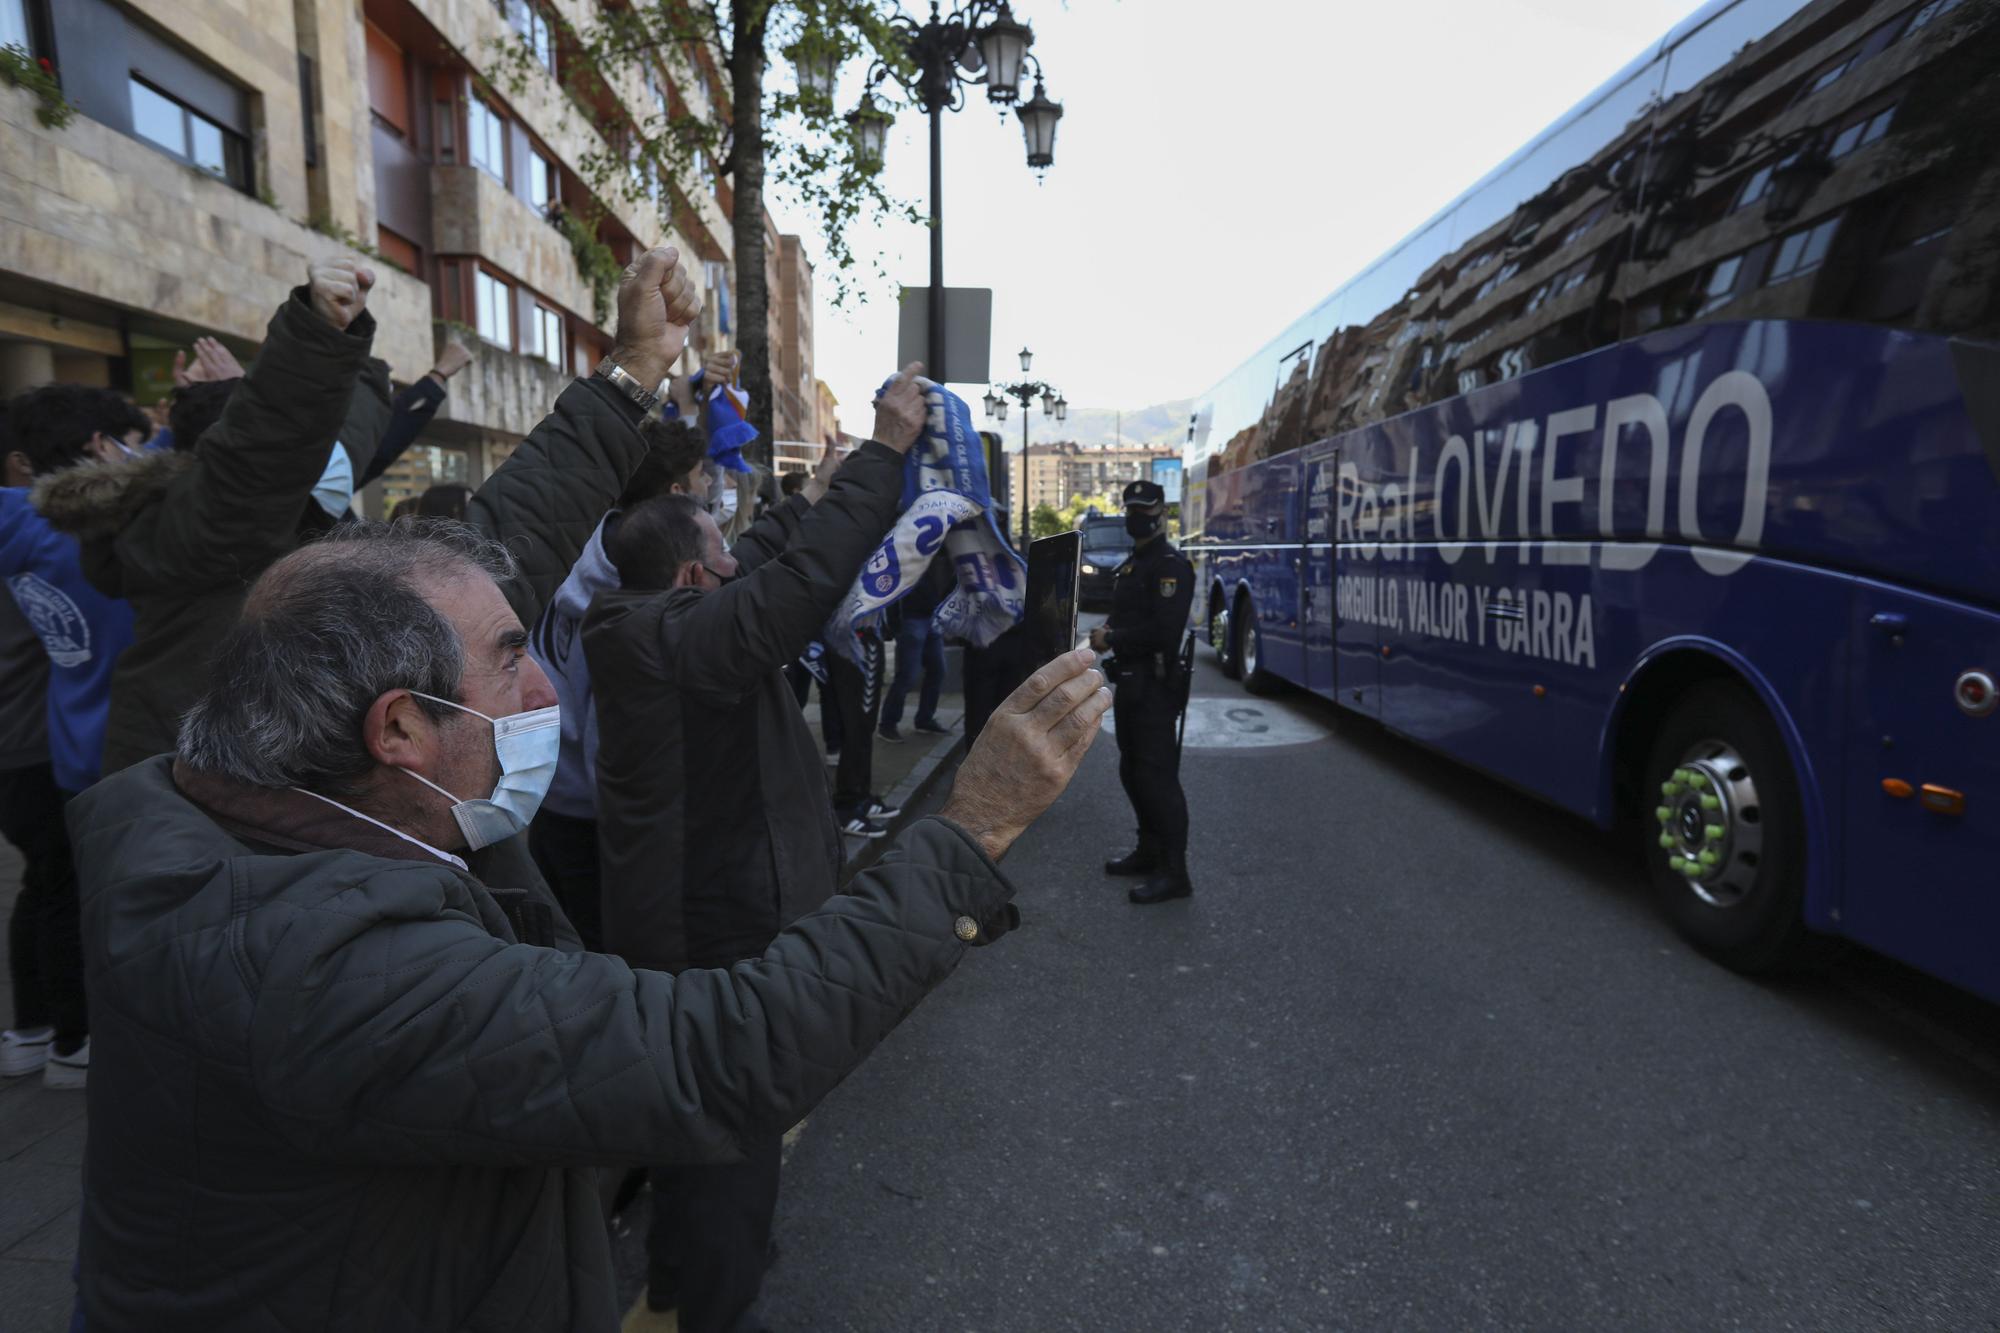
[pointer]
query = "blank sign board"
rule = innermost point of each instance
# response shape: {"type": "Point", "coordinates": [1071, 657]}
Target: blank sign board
{"type": "Point", "coordinates": [968, 333]}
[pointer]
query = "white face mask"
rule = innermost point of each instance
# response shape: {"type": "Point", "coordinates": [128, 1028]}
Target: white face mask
{"type": "Point", "coordinates": [335, 487]}
{"type": "Point", "coordinates": [527, 745]}
{"type": "Point", "coordinates": [725, 503]}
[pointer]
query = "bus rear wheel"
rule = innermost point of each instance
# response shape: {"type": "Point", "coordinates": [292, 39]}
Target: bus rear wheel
{"type": "Point", "coordinates": [1725, 835]}
{"type": "Point", "coordinates": [1249, 649]}
{"type": "Point", "coordinates": [1221, 637]}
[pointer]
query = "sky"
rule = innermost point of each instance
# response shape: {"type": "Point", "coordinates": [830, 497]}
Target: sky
{"type": "Point", "coordinates": [1219, 169]}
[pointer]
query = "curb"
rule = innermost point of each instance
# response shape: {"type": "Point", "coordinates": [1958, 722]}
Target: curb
{"type": "Point", "coordinates": [933, 768]}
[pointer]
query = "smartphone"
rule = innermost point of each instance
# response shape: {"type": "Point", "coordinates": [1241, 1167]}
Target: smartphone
{"type": "Point", "coordinates": [1049, 620]}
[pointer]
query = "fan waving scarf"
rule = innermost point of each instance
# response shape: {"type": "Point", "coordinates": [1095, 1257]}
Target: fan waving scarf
{"type": "Point", "coordinates": [947, 506]}
{"type": "Point", "coordinates": [722, 409]}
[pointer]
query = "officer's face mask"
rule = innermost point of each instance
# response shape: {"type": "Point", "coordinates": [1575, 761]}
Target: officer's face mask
{"type": "Point", "coordinates": [1141, 524]}
{"type": "Point", "coordinates": [335, 488]}
{"type": "Point", "coordinates": [527, 745]}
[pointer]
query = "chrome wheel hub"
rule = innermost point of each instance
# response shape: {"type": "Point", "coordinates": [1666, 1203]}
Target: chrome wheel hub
{"type": "Point", "coordinates": [1711, 824]}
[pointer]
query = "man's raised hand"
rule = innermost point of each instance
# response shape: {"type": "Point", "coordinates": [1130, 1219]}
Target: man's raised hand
{"type": "Point", "coordinates": [900, 410]}
{"type": "Point", "coordinates": [657, 301]}
{"type": "Point", "coordinates": [212, 362]}
{"type": "Point", "coordinates": [1028, 751]}
{"type": "Point", "coordinates": [338, 289]}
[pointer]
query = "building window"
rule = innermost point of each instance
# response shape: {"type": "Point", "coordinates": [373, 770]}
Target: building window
{"type": "Point", "coordinates": [493, 299]}
{"type": "Point", "coordinates": [190, 136]}
{"type": "Point", "coordinates": [1935, 9]}
{"type": "Point", "coordinates": [1720, 289]}
{"type": "Point", "coordinates": [541, 182]}
{"type": "Point", "coordinates": [1757, 186]}
{"type": "Point", "coordinates": [1801, 252]}
{"type": "Point", "coordinates": [486, 139]}
{"type": "Point", "coordinates": [1861, 133]}
{"type": "Point", "coordinates": [14, 30]}
{"type": "Point", "coordinates": [549, 336]}
{"type": "Point", "coordinates": [533, 24]}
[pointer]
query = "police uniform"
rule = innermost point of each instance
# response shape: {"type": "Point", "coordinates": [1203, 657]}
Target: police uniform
{"type": "Point", "coordinates": [1149, 611]}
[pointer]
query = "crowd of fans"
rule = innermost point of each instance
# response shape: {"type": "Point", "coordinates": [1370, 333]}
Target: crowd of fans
{"type": "Point", "coordinates": [417, 882]}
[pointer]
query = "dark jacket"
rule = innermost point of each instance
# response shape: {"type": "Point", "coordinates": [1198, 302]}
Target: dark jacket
{"type": "Point", "coordinates": [181, 535]}
{"type": "Point", "coordinates": [332, 1087]}
{"type": "Point", "coordinates": [714, 824]}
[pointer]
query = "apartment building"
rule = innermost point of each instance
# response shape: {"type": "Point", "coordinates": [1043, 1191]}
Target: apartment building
{"type": "Point", "coordinates": [218, 144]}
{"type": "Point", "coordinates": [1060, 472]}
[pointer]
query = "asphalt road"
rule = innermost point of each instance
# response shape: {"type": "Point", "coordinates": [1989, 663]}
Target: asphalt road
{"type": "Point", "coordinates": [1416, 1055]}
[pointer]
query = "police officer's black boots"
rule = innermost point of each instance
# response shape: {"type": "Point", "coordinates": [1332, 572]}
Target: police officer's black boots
{"type": "Point", "coordinates": [1141, 860]}
{"type": "Point", "coordinates": [1171, 882]}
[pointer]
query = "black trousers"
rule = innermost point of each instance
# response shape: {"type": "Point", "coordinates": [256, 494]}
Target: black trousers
{"type": "Point", "coordinates": [565, 851]}
{"type": "Point", "coordinates": [1146, 713]}
{"type": "Point", "coordinates": [858, 705]}
{"type": "Point", "coordinates": [44, 938]}
{"type": "Point", "coordinates": [711, 1234]}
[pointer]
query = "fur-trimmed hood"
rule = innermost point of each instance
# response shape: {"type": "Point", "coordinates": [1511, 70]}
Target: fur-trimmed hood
{"type": "Point", "coordinates": [98, 499]}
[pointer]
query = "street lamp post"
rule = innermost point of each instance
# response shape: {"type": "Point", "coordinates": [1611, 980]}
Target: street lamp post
{"type": "Point", "coordinates": [978, 43]}
{"type": "Point", "coordinates": [1026, 391]}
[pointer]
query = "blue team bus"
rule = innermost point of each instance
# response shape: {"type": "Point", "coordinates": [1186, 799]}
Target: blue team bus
{"type": "Point", "coordinates": [1659, 476]}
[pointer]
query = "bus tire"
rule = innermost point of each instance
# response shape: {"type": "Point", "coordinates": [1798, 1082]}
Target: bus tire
{"type": "Point", "coordinates": [1724, 834]}
{"type": "Point", "coordinates": [1221, 637]}
{"type": "Point", "coordinates": [1249, 648]}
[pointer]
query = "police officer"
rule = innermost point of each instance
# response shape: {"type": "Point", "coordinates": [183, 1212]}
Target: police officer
{"type": "Point", "coordinates": [1149, 611]}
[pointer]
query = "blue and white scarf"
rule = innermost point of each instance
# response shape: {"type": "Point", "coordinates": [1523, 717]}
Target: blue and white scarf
{"type": "Point", "coordinates": [722, 409]}
{"type": "Point", "coordinates": [946, 505]}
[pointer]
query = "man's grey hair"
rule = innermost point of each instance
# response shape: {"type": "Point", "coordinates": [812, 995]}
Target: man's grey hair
{"type": "Point", "coordinates": [325, 633]}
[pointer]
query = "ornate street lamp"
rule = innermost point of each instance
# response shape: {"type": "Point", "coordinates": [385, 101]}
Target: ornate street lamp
{"type": "Point", "coordinates": [869, 123]}
{"type": "Point", "coordinates": [1003, 45]}
{"type": "Point", "coordinates": [980, 42]}
{"type": "Point", "coordinates": [992, 403]}
{"type": "Point", "coordinates": [1053, 404]}
{"type": "Point", "coordinates": [814, 65]}
{"type": "Point", "coordinates": [1038, 127]}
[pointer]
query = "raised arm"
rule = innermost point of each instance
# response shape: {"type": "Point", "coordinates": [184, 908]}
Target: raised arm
{"type": "Point", "coordinates": [547, 498]}
{"type": "Point", "coordinates": [240, 505]}
{"type": "Point", "coordinates": [484, 1051]}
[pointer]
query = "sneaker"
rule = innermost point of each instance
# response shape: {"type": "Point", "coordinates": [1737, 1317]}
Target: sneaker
{"type": "Point", "coordinates": [24, 1052]}
{"type": "Point", "coordinates": [858, 826]}
{"type": "Point", "coordinates": [833, 759]}
{"type": "Point", "coordinates": [887, 731]}
{"type": "Point", "coordinates": [71, 1070]}
{"type": "Point", "coordinates": [879, 809]}
{"type": "Point", "coordinates": [931, 728]}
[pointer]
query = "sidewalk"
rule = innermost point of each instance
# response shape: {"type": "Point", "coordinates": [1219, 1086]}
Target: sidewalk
{"type": "Point", "coordinates": [41, 1155]}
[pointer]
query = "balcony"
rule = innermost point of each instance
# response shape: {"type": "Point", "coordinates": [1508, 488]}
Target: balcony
{"type": "Point", "coordinates": [473, 214]}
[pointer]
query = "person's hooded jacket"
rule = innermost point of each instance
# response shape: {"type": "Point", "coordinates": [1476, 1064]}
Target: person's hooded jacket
{"type": "Point", "coordinates": [82, 632]}
{"type": "Point", "coordinates": [182, 535]}
{"type": "Point", "coordinates": [714, 823]}
{"type": "Point", "coordinates": [340, 1082]}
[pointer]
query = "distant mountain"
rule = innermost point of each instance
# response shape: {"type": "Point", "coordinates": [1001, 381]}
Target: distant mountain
{"type": "Point", "coordinates": [1162, 423]}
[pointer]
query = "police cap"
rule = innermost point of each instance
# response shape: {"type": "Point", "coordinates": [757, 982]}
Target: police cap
{"type": "Point", "coordinates": [1147, 494]}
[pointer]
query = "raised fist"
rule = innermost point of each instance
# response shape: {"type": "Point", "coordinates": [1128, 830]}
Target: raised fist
{"type": "Point", "coordinates": [900, 409]}
{"type": "Point", "coordinates": [339, 289]}
{"type": "Point", "coordinates": [657, 301]}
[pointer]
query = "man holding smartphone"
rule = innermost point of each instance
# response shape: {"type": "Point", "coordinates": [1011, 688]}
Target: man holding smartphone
{"type": "Point", "coordinates": [1150, 597]}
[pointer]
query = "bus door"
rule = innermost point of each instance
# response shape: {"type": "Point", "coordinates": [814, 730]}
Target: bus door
{"type": "Point", "coordinates": [1357, 642]}
{"type": "Point", "coordinates": [1922, 829]}
{"type": "Point", "coordinates": [1316, 583]}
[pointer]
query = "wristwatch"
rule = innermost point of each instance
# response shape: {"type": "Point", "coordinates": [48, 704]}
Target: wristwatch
{"type": "Point", "coordinates": [622, 380]}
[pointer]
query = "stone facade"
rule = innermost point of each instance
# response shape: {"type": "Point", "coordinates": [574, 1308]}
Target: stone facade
{"type": "Point", "coordinates": [113, 249]}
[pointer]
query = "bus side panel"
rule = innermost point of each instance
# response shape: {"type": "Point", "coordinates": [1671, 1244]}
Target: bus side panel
{"type": "Point", "coordinates": [1923, 883]}
{"type": "Point", "coordinates": [1272, 502]}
